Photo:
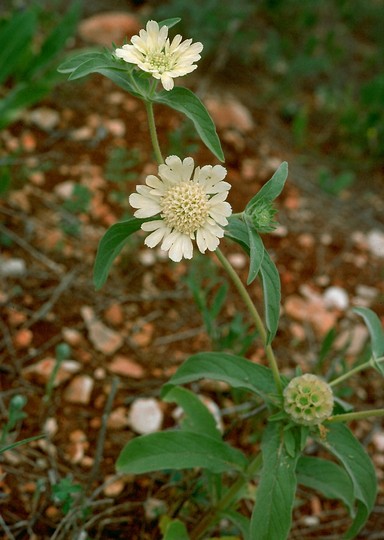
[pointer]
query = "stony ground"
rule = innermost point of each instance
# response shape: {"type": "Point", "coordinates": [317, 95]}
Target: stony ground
{"type": "Point", "coordinates": [127, 339]}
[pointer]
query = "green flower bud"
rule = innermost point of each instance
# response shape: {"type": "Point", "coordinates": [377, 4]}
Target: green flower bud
{"type": "Point", "coordinates": [308, 400]}
{"type": "Point", "coordinates": [262, 216]}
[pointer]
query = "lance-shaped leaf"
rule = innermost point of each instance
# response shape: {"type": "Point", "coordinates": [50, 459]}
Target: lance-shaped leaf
{"type": "Point", "coordinates": [198, 418]}
{"type": "Point", "coordinates": [275, 495]}
{"type": "Point", "coordinates": [272, 294]}
{"type": "Point", "coordinates": [249, 239]}
{"type": "Point", "coordinates": [271, 189]}
{"type": "Point", "coordinates": [234, 370]}
{"type": "Point", "coordinates": [377, 334]}
{"type": "Point", "coordinates": [185, 101]}
{"type": "Point", "coordinates": [327, 478]}
{"type": "Point", "coordinates": [341, 442]}
{"type": "Point", "coordinates": [256, 253]}
{"type": "Point", "coordinates": [240, 521]}
{"type": "Point", "coordinates": [237, 231]}
{"type": "Point", "coordinates": [110, 246]}
{"type": "Point", "coordinates": [175, 530]}
{"type": "Point", "coordinates": [106, 64]}
{"type": "Point", "coordinates": [178, 450]}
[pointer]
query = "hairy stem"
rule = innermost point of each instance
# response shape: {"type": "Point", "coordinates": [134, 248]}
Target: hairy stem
{"type": "Point", "coordinates": [359, 415]}
{"type": "Point", "coordinates": [153, 132]}
{"type": "Point", "coordinates": [255, 316]}
{"type": "Point", "coordinates": [369, 364]}
{"type": "Point", "coordinates": [211, 516]}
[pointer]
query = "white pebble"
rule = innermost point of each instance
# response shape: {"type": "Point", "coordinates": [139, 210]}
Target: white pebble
{"type": "Point", "coordinates": [145, 416]}
{"type": "Point", "coordinates": [375, 239]}
{"type": "Point", "coordinates": [13, 267]}
{"type": "Point", "coordinates": [336, 298]}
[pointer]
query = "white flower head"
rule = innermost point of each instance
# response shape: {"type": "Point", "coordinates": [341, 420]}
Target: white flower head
{"type": "Point", "coordinates": [152, 52]}
{"type": "Point", "coordinates": [190, 205]}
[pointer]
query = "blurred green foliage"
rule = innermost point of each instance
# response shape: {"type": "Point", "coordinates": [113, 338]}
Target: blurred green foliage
{"type": "Point", "coordinates": [319, 62]}
{"type": "Point", "coordinates": [29, 55]}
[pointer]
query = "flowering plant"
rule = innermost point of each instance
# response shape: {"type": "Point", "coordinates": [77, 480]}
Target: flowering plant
{"type": "Point", "coordinates": [185, 204]}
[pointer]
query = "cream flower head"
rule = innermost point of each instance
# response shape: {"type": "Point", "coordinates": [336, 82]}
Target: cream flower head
{"type": "Point", "coordinates": [152, 52]}
{"type": "Point", "coordinates": [189, 207]}
{"type": "Point", "coordinates": [308, 400]}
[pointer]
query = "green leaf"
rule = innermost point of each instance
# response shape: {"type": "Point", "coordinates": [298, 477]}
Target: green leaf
{"type": "Point", "coordinates": [55, 42]}
{"type": "Point", "coordinates": [11, 446]}
{"type": "Point", "coordinates": [240, 521]}
{"type": "Point", "coordinates": [237, 231]}
{"type": "Point", "coordinates": [272, 188]}
{"type": "Point", "coordinates": [75, 60]}
{"type": "Point", "coordinates": [104, 63]}
{"type": "Point", "coordinates": [377, 334]}
{"type": "Point", "coordinates": [341, 442]}
{"type": "Point", "coordinates": [275, 494]}
{"type": "Point", "coordinates": [271, 292]}
{"type": "Point", "coordinates": [197, 419]}
{"type": "Point", "coordinates": [20, 97]}
{"type": "Point", "coordinates": [169, 22]}
{"type": "Point", "coordinates": [110, 246]}
{"type": "Point", "coordinates": [185, 101]}
{"type": "Point", "coordinates": [234, 370]}
{"type": "Point", "coordinates": [15, 37]}
{"type": "Point", "coordinates": [249, 239]}
{"type": "Point", "coordinates": [256, 253]}
{"type": "Point", "coordinates": [175, 530]}
{"type": "Point", "coordinates": [327, 478]}
{"type": "Point", "coordinates": [178, 450]}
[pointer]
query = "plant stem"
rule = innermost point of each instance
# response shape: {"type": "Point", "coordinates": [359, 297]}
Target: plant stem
{"type": "Point", "coordinates": [206, 522]}
{"type": "Point", "coordinates": [369, 364]}
{"type": "Point", "coordinates": [255, 316]}
{"type": "Point", "coordinates": [153, 132]}
{"type": "Point", "coordinates": [359, 415]}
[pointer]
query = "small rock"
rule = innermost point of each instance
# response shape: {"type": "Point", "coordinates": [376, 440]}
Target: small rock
{"type": "Point", "coordinates": [23, 338]}
{"type": "Point", "coordinates": [311, 310]}
{"type": "Point", "coordinates": [229, 113]}
{"type": "Point", "coordinates": [16, 318]}
{"type": "Point", "coordinates": [82, 134]}
{"type": "Point", "coordinates": [114, 314]}
{"type": "Point", "coordinates": [42, 370]}
{"type": "Point", "coordinates": [336, 298]}
{"type": "Point", "coordinates": [104, 339]}
{"type": "Point", "coordinates": [366, 295]}
{"type": "Point", "coordinates": [118, 419]}
{"type": "Point", "coordinates": [147, 257]}
{"type": "Point", "coordinates": [237, 260]}
{"type": "Point", "coordinates": [375, 240]}
{"type": "Point", "coordinates": [113, 486]}
{"type": "Point", "coordinates": [64, 190]}
{"type": "Point", "coordinates": [44, 118]}
{"type": "Point", "coordinates": [28, 141]}
{"type": "Point", "coordinates": [116, 127]}
{"type": "Point", "coordinates": [109, 27]}
{"type": "Point", "coordinates": [79, 390]}
{"type": "Point", "coordinates": [13, 268]}
{"type": "Point", "coordinates": [50, 427]}
{"type": "Point", "coordinates": [145, 416]}
{"type": "Point", "coordinates": [121, 365]}
{"type": "Point", "coordinates": [378, 440]}
{"type": "Point", "coordinates": [72, 337]}
{"type": "Point", "coordinates": [143, 337]}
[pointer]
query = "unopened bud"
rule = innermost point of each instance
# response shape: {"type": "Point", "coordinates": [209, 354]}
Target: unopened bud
{"type": "Point", "coordinates": [262, 216]}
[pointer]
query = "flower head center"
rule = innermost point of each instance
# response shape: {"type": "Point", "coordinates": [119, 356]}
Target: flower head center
{"type": "Point", "coordinates": [185, 207]}
{"type": "Point", "coordinates": [159, 61]}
